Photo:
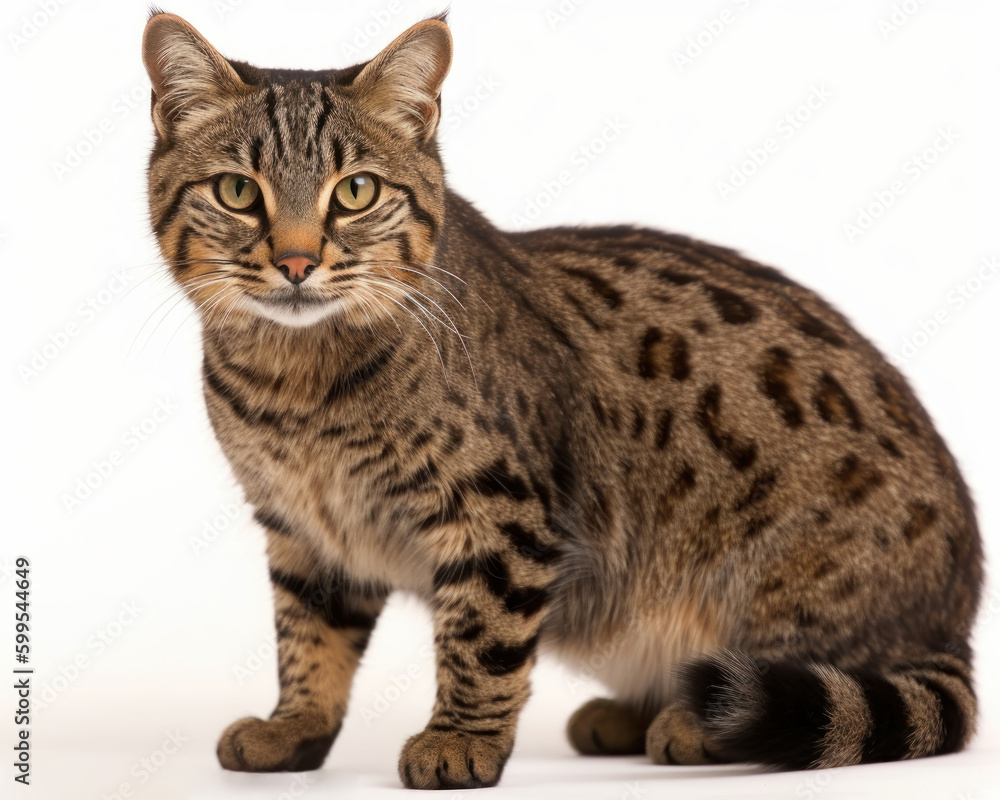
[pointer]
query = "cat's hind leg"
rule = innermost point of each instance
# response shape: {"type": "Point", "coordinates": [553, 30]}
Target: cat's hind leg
{"type": "Point", "coordinates": [604, 727]}
{"type": "Point", "coordinates": [677, 736]}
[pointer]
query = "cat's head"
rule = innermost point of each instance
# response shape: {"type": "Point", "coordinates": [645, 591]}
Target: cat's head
{"type": "Point", "coordinates": [291, 195]}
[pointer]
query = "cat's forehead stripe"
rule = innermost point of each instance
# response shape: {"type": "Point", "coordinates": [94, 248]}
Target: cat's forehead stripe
{"type": "Point", "coordinates": [306, 132]}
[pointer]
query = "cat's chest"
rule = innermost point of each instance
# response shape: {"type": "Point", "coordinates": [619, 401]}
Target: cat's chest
{"type": "Point", "coordinates": [313, 486]}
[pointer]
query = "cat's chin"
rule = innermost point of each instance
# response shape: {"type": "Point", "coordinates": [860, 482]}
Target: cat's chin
{"type": "Point", "coordinates": [297, 316]}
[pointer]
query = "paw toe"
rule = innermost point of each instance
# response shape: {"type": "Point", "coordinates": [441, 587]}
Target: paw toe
{"type": "Point", "coordinates": [676, 737]}
{"type": "Point", "coordinates": [452, 760]}
{"type": "Point", "coordinates": [605, 727]}
{"type": "Point", "coordinates": [256, 745]}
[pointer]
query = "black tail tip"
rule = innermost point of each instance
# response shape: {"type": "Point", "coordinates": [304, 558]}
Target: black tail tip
{"type": "Point", "coordinates": [757, 711]}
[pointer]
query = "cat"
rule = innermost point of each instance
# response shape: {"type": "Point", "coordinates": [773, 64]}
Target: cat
{"type": "Point", "coordinates": [606, 440]}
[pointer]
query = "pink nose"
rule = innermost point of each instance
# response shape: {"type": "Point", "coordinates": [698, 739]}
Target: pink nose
{"type": "Point", "coordinates": [296, 267]}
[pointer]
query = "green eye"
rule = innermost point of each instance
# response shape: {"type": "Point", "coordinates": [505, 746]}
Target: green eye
{"type": "Point", "coordinates": [357, 192]}
{"type": "Point", "coordinates": [237, 192]}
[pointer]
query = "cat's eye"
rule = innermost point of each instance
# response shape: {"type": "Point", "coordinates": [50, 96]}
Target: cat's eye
{"type": "Point", "coordinates": [237, 192]}
{"type": "Point", "coordinates": [356, 192]}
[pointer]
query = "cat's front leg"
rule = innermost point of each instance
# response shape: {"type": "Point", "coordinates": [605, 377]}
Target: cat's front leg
{"type": "Point", "coordinates": [323, 622]}
{"type": "Point", "coordinates": [488, 608]}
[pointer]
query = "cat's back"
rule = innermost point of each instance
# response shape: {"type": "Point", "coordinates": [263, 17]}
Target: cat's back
{"type": "Point", "coordinates": [666, 317]}
{"type": "Point", "coordinates": [640, 275]}
{"type": "Point", "coordinates": [756, 421]}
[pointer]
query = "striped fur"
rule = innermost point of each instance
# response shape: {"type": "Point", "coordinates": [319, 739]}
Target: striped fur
{"type": "Point", "coordinates": [650, 456]}
{"type": "Point", "coordinates": [801, 715]}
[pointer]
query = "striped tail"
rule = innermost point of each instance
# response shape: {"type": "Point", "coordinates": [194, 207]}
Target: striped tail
{"type": "Point", "coordinates": [799, 715]}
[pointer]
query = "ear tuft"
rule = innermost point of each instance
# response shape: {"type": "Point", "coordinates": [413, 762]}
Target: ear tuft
{"type": "Point", "coordinates": [190, 77]}
{"type": "Point", "coordinates": [402, 84]}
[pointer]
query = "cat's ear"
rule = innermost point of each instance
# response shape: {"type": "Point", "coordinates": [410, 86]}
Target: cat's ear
{"type": "Point", "coordinates": [402, 84]}
{"type": "Point", "coordinates": [190, 77]}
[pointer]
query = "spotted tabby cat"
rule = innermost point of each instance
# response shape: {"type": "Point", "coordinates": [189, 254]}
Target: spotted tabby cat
{"type": "Point", "coordinates": [608, 441]}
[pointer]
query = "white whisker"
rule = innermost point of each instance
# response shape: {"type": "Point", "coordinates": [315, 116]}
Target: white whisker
{"type": "Point", "coordinates": [381, 265]}
{"type": "Point", "coordinates": [178, 296]}
{"type": "Point", "coordinates": [452, 327]}
{"type": "Point", "coordinates": [444, 369]}
{"type": "Point", "coordinates": [405, 291]}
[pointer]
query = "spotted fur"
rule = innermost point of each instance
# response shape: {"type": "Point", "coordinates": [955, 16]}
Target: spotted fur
{"type": "Point", "coordinates": [633, 449]}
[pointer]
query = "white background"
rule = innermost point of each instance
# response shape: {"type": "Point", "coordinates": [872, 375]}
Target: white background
{"type": "Point", "coordinates": [550, 76]}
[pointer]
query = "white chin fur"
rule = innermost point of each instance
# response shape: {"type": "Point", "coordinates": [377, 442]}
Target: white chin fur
{"type": "Point", "coordinates": [309, 315]}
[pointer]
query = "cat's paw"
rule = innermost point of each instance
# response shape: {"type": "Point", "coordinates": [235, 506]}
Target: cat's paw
{"type": "Point", "coordinates": [676, 736]}
{"type": "Point", "coordinates": [453, 760]}
{"type": "Point", "coordinates": [606, 728]}
{"type": "Point", "coordinates": [278, 745]}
